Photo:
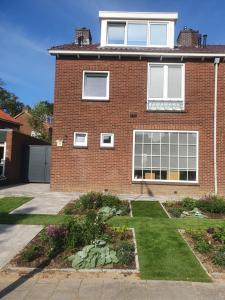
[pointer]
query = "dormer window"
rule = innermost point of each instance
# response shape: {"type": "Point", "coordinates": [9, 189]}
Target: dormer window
{"type": "Point", "coordinates": [132, 33]}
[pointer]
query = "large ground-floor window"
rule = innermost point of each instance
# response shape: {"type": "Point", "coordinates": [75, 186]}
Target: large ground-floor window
{"type": "Point", "coordinates": [165, 155]}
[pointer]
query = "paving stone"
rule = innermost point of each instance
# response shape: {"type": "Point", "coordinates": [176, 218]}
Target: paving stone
{"type": "Point", "coordinates": [136, 290]}
{"type": "Point", "coordinates": [41, 291]}
{"type": "Point", "coordinates": [90, 289]}
{"type": "Point", "coordinates": [63, 295]}
{"type": "Point", "coordinates": [16, 295]}
{"type": "Point", "coordinates": [113, 289]}
{"type": "Point", "coordinates": [163, 290]}
{"type": "Point", "coordinates": [209, 291]}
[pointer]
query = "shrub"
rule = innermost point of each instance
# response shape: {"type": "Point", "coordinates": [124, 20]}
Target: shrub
{"type": "Point", "coordinates": [219, 258]}
{"type": "Point", "coordinates": [197, 234]}
{"type": "Point", "coordinates": [175, 211]}
{"type": "Point", "coordinates": [202, 246]}
{"type": "Point", "coordinates": [219, 235]}
{"type": "Point", "coordinates": [111, 201]}
{"type": "Point", "coordinates": [212, 204]}
{"type": "Point", "coordinates": [56, 235]}
{"type": "Point", "coordinates": [91, 200]}
{"type": "Point", "coordinates": [75, 234]}
{"type": "Point", "coordinates": [125, 253]}
{"type": "Point", "coordinates": [31, 253]}
{"type": "Point", "coordinates": [189, 203]}
{"type": "Point", "coordinates": [94, 227]}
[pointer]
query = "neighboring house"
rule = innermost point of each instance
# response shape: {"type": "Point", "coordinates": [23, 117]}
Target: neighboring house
{"type": "Point", "coordinates": [137, 113]}
{"type": "Point", "coordinates": [6, 121]}
{"type": "Point", "coordinates": [23, 118]}
{"type": "Point", "coordinates": [26, 128]}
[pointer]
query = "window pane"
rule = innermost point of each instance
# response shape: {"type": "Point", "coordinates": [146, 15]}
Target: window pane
{"type": "Point", "coordinates": [191, 150]}
{"type": "Point", "coordinates": [183, 138]}
{"type": "Point", "coordinates": [165, 149]}
{"type": "Point", "coordinates": [80, 138]}
{"type": "Point", "coordinates": [174, 82]}
{"type": "Point", "coordinates": [138, 149]}
{"type": "Point", "coordinates": [191, 163]}
{"type": "Point", "coordinates": [147, 137]}
{"type": "Point", "coordinates": [147, 149]}
{"type": "Point", "coordinates": [191, 176]}
{"type": "Point", "coordinates": [116, 33]}
{"type": "Point", "coordinates": [183, 162]}
{"type": "Point", "coordinates": [158, 34]}
{"type": "Point", "coordinates": [165, 162]}
{"type": "Point", "coordinates": [183, 175]}
{"type": "Point", "coordinates": [138, 174]}
{"type": "Point", "coordinates": [95, 85]}
{"type": "Point", "coordinates": [138, 162]}
{"type": "Point", "coordinates": [156, 82]}
{"type": "Point", "coordinates": [156, 161]}
{"type": "Point", "coordinates": [146, 161]}
{"type": "Point", "coordinates": [137, 34]}
{"type": "Point", "coordinates": [155, 149]}
{"type": "Point", "coordinates": [174, 138]}
{"type": "Point", "coordinates": [192, 138]}
{"type": "Point", "coordinates": [165, 137]}
{"type": "Point", "coordinates": [183, 150]}
{"type": "Point", "coordinates": [138, 137]}
{"type": "Point", "coordinates": [156, 137]}
{"type": "Point", "coordinates": [173, 162]}
{"type": "Point", "coordinates": [107, 139]}
{"type": "Point", "coordinates": [173, 150]}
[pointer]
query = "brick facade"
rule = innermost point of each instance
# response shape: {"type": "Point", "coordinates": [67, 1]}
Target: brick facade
{"type": "Point", "coordinates": [23, 119]}
{"type": "Point", "coordinates": [111, 169]}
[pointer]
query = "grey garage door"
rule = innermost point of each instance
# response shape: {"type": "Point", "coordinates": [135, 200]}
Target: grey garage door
{"type": "Point", "coordinates": [38, 163]}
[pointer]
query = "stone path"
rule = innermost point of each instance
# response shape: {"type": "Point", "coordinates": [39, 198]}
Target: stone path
{"type": "Point", "coordinates": [13, 238]}
{"type": "Point", "coordinates": [108, 289]}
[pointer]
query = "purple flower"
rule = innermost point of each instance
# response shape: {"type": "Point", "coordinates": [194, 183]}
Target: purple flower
{"type": "Point", "coordinates": [55, 231]}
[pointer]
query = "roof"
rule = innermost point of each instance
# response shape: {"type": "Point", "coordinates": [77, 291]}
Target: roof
{"type": "Point", "coordinates": [7, 118]}
{"type": "Point", "coordinates": [73, 48]}
{"type": "Point", "coordinates": [138, 15]}
{"type": "Point", "coordinates": [21, 113]}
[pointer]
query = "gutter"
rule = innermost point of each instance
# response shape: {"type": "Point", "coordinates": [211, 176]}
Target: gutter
{"type": "Point", "coordinates": [136, 53]}
{"type": "Point", "coordinates": [216, 64]}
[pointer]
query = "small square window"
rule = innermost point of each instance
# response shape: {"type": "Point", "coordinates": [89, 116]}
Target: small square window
{"type": "Point", "coordinates": [80, 139]}
{"type": "Point", "coordinates": [107, 140]}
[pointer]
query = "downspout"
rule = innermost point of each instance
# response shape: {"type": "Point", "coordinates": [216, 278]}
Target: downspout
{"type": "Point", "coordinates": [216, 64]}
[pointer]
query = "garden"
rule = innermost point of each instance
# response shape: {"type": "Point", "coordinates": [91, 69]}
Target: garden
{"type": "Point", "coordinates": [85, 241]}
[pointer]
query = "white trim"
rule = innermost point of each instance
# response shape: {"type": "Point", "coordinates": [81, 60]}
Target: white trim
{"type": "Point", "coordinates": [165, 88]}
{"type": "Point", "coordinates": [105, 145]}
{"type": "Point", "coordinates": [80, 144]}
{"type": "Point", "coordinates": [106, 98]}
{"type": "Point", "coordinates": [2, 162]}
{"type": "Point", "coordinates": [135, 53]}
{"type": "Point", "coordinates": [160, 180]}
{"type": "Point", "coordinates": [138, 15]}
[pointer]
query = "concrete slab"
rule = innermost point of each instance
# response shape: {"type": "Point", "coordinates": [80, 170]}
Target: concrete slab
{"type": "Point", "coordinates": [13, 238]}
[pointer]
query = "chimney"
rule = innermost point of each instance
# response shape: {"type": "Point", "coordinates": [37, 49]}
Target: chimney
{"type": "Point", "coordinates": [189, 38]}
{"type": "Point", "coordinates": [83, 36]}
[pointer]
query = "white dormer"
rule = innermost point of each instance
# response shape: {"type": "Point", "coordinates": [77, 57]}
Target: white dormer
{"type": "Point", "coordinates": [137, 29]}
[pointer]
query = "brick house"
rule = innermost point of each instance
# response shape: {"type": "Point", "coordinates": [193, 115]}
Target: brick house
{"type": "Point", "coordinates": [138, 113]}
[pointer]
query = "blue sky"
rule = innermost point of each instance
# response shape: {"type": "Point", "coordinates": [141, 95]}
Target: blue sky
{"type": "Point", "coordinates": [29, 28]}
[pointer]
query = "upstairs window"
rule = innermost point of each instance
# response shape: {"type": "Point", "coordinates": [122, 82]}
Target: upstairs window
{"type": "Point", "coordinates": [95, 85]}
{"type": "Point", "coordinates": [137, 34]}
{"type": "Point", "coordinates": [166, 86]}
{"type": "Point", "coordinates": [131, 33]}
{"type": "Point", "coordinates": [158, 34]}
{"type": "Point", "coordinates": [116, 33]}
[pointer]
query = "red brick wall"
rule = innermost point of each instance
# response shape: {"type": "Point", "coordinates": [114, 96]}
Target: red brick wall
{"type": "Point", "coordinates": [25, 126]}
{"type": "Point", "coordinates": [15, 149]}
{"type": "Point", "coordinates": [97, 169]}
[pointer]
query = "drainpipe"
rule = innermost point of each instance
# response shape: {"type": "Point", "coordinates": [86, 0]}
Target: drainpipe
{"type": "Point", "coordinates": [216, 64]}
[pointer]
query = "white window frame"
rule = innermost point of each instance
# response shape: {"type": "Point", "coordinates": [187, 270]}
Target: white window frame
{"type": "Point", "coordinates": [181, 182]}
{"type": "Point", "coordinates": [80, 144]}
{"type": "Point", "coordinates": [2, 162]}
{"type": "Point", "coordinates": [106, 145]}
{"type": "Point", "coordinates": [106, 98]}
{"type": "Point", "coordinates": [165, 86]}
{"type": "Point", "coordinates": [148, 23]}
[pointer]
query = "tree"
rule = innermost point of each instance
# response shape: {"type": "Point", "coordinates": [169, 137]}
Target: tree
{"type": "Point", "coordinates": [39, 120]}
{"type": "Point", "coordinates": [9, 102]}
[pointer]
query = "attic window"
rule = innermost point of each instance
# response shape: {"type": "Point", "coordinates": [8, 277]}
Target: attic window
{"type": "Point", "coordinates": [158, 34]}
{"type": "Point", "coordinates": [116, 33]}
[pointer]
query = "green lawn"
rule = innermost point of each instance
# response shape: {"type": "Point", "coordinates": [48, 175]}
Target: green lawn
{"type": "Point", "coordinates": [8, 204]}
{"type": "Point", "coordinates": [162, 252]}
{"type": "Point", "coordinates": [151, 209]}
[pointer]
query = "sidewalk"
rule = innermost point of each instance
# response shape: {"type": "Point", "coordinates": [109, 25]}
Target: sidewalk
{"type": "Point", "coordinates": [116, 289]}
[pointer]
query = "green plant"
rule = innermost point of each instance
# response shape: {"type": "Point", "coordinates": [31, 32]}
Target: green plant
{"type": "Point", "coordinates": [189, 203]}
{"type": "Point", "coordinates": [94, 227]}
{"type": "Point", "coordinates": [175, 211]}
{"type": "Point", "coordinates": [125, 253]}
{"type": "Point", "coordinates": [121, 229]}
{"type": "Point", "coordinates": [31, 253]}
{"type": "Point", "coordinates": [111, 201]}
{"type": "Point", "coordinates": [93, 256]}
{"type": "Point", "coordinates": [75, 234]}
{"type": "Point", "coordinates": [212, 204]}
{"type": "Point", "coordinates": [219, 235]}
{"type": "Point", "coordinates": [89, 200]}
{"type": "Point", "coordinates": [196, 234]}
{"type": "Point", "coordinates": [219, 258]}
{"type": "Point", "coordinates": [202, 246]}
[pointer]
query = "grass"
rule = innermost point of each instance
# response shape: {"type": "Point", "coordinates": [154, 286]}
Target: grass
{"type": "Point", "coordinates": [151, 209]}
{"type": "Point", "coordinates": [162, 252]}
{"type": "Point", "coordinates": [7, 204]}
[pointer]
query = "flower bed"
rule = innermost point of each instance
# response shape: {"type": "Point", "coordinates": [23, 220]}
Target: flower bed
{"type": "Point", "coordinates": [209, 206]}
{"type": "Point", "coordinates": [107, 204]}
{"type": "Point", "coordinates": [209, 246]}
{"type": "Point", "coordinates": [85, 242]}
